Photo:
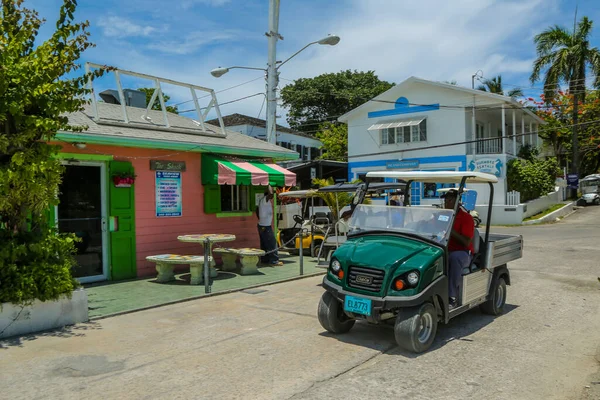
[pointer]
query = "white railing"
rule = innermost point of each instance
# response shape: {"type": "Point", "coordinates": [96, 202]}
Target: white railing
{"type": "Point", "coordinates": [513, 198]}
{"type": "Point", "coordinates": [489, 146]}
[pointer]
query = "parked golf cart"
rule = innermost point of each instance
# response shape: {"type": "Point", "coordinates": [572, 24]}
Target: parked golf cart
{"type": "Point", "coordinates": [590, 189]}
{"type": "Point", "coordinates": [337, 235]}
{"type": "Point", "coordinates": [393, 268]}
{"type": "Point", "coordinates": [473, 213]}
{"type": "Point", "coordinates": [314, 229]}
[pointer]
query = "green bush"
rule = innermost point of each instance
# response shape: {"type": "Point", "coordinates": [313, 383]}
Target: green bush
{"type": "Point", "coordinates": [36, 266]}
{"type": "Point", "coordinates": [533, 178]}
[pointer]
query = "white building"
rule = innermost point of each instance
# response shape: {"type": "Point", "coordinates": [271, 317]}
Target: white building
{"type": "Point", "coordinates": [425, 125]}
{"type": "Point", "coordinates": [307, 147]}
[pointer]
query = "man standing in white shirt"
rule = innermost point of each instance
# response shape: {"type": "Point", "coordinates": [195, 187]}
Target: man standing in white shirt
{"type": "Point", "coordinates": [264, 212]}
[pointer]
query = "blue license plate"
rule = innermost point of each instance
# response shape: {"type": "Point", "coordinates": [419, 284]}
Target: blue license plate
{"type": "Point", "coordinates": [357, 305]}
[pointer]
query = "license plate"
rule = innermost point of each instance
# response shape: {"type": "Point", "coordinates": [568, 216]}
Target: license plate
{"type": "Point", "coordinates": [357, 305]}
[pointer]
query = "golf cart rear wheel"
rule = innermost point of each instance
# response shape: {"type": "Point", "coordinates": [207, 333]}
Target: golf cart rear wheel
{"type": "Point", "coordinates": [316, 248]}
{"type": "Point", "coordinates": [416, 327]}
{"type": "Point", "coordinates": [597, 201]}
{"type": "Point", "coordinates": [495, 305]}
{"type": "Point", "coordinates": [331, 315]}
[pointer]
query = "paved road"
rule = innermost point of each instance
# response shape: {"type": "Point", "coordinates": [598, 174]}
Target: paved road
{"type": "Point", "coordinates": [269, 345]}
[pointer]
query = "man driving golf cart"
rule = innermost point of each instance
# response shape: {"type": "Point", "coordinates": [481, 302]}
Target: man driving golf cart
{"type": "Point", "coordinates": [460, 245]}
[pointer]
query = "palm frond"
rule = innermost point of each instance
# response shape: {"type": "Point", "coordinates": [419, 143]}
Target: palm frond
{"type": "Point", "coordinates": [517, 92]}
{"type": "Point", "coordinates": [555, 36]}
{"type": "Point", "coordinates": [594, 61]}
{"type": "Point", "coordinates": [583, 30]}
{"type": "Point", "coordinates": [539, 64]}
{"type": "Point", "coordinates": [482, 88]}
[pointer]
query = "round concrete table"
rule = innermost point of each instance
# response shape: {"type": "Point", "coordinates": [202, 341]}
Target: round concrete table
{"type": "Point", "coordinates": [207, 239]}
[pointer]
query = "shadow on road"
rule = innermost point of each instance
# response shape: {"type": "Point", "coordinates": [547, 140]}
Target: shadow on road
{"type": "Point", "coordinates": [65, 333]}
{"type": "Point", "coordinates": [381, 337]}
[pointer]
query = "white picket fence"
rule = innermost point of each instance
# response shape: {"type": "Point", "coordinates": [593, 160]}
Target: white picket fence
{"type": "Point", "coordinates": [513, 198]}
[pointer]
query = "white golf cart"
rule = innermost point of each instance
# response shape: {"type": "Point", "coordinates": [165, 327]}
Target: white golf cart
{"type": "Point", "coordinates": [590, 189]}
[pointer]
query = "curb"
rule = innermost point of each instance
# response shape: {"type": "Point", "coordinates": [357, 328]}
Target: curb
{"type": "Point", "coordinates": [561, 212]}
{"type": "Point", "coordinates": [295, 278]}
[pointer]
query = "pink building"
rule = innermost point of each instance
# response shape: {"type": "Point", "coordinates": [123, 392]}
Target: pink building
{"type": "Point", "coordinates": [130, 189]}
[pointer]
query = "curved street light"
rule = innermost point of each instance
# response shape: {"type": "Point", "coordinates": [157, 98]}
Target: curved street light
{"type": "Point", "coordinates": [272, 77]}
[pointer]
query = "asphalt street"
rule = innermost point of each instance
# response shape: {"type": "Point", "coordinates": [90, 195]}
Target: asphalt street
{"type": "Point", "coordinates": [267, 343]}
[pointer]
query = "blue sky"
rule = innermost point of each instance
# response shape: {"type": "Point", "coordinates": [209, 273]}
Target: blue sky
{"type": "Point", "coordinates": [432, 39]}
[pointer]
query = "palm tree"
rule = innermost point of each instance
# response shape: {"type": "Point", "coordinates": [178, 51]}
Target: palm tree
{"type": "Point", "coordinates": [494, 85]}
{"type": "Point", "coordinates": [566, 57]}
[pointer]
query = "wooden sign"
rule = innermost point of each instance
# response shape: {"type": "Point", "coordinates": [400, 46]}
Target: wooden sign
{"type": "Point", "coordinates": [160, 165]}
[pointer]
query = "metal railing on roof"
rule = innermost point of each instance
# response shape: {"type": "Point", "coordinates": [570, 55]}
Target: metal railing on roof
{"type": "Point", "coordinates": [157, 93]}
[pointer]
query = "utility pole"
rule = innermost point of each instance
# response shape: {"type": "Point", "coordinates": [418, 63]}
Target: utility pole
{"type": "Point", "coordinates": [272, 73]}
{"type": "Point", "coordinates": [575, 87]}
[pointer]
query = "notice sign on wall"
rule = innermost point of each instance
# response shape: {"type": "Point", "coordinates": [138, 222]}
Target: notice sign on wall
{"type": "Point", "coordinates": [168, 194]}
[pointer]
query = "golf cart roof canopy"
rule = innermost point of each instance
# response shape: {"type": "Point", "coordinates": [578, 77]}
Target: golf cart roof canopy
{"type": "Point", "coordinates": [593, 177]}
{"type": "Point", "coordinates": [373, 187]}
{"type": "Point", "coordinates": [298, 194]}
{"type": "Point", "coordinates": [435, 176]}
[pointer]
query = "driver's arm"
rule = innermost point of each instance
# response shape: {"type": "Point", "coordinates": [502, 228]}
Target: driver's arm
{"type": "Point", "coordinates": [465, 231]}
{"type": "Point", "coordinates": [460, 238]}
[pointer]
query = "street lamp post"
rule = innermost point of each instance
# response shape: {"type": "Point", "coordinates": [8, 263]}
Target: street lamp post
{"type": "Point", "coordinates": [272, 73]}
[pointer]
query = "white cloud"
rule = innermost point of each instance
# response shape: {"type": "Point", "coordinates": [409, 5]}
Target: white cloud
{"type": "Point", "coordinates": [114, 26]}
{"type": "Point", "coordinates": [192, 42]}
{"type": "Point", "coordinates": [213, 3]}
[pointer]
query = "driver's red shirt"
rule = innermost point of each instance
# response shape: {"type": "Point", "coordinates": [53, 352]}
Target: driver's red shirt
{"type": "Point", "coordinates": [463, 224]}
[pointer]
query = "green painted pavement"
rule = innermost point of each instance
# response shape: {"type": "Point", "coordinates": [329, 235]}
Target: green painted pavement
{"type": "Point", "coordinates": [108, 298]}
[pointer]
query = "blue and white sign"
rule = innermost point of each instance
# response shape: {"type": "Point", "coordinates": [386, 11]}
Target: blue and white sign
{"type": "Point", "coordinates": [168, 194]}
{"type": "Point", "coordinates": [404, 164]}
{"type": "Point", "coordinates": [493, 166]}
{"type": "Point", "coordinates": [572, 181]}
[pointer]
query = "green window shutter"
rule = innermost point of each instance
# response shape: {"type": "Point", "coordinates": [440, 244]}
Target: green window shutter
{"type": "Point", "coordinates": [253, 192]}
{"type": "Point", "coordinates": [212, 199]}
{"type": "Point", "coordinates": [51, 216]}
{"type": "Point", "coordinates": [122, 209]}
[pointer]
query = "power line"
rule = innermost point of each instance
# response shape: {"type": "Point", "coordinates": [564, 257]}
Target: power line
{"type": "Point", "coordinates": [227, 102]}
{"type": "Point", "coordinates": [466, 142]}
{"type": "Point", "coordinates": [220, 91]}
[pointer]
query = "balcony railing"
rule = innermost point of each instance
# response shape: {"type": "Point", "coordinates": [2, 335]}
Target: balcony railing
{"type": "Point", "coordinates": [490, 146]}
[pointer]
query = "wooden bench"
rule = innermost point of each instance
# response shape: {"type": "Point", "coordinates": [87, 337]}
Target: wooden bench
{"type": "Point", "coordinates": [166, 262]}
{"type": "Point", "coordinates": [248, 259]}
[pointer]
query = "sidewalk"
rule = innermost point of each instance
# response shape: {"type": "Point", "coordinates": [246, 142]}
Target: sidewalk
{"type": "Point", "coordinates": [108, 298]}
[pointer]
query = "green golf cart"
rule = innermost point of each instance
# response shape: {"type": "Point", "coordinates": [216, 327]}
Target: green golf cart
{"type": "Point", "coordinates": [393, 266]}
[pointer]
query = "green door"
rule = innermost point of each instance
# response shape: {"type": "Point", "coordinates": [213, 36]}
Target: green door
{"type": "Point", "coordinates": [122, 235]}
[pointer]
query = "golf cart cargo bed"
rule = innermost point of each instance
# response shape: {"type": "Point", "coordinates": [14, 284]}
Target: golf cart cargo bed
{"type": "Point", "coordinates": [503, 249]}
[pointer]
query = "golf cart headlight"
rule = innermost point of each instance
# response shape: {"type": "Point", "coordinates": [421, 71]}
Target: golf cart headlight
{"type": "Point", "coordinates": [335, 265]}
{"type": "Point", "coordinates": [412, 278]}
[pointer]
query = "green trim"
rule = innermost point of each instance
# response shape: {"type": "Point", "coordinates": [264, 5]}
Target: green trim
{"type": "Point", "coordinates": [165, 145]}
{"type": "Point", "coordinates": [234, 214]}
{"type": "Point", "coordinates": [86, 157]}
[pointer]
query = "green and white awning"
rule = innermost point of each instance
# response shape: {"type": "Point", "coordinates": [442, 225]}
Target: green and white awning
{"type": "Point", "coordinates": [222, 171]}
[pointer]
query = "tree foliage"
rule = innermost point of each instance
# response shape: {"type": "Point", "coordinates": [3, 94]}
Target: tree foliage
{"type": "Point", "coordinates": [494, 85]}
{"type": "Point", "coordinates": [335, 141]}
{"type": "Point", "coordinates": [533, 178]}
{"type": "Point", "coordinates": [312, 101]}
{"type": "Point", "coordinates": [558, 132]}
{"type": "Point", "coordinates": [37, 89]}
{"type": "Point", "coordinates": [566, 57]}
{"type": "Point", "coordinates": [156, 104]}
{"type": "Point", "coordinates": [335, 201]}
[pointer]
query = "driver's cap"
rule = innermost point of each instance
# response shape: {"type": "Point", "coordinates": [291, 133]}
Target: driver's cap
{"type": "Point", "coordinates": [450, 193]}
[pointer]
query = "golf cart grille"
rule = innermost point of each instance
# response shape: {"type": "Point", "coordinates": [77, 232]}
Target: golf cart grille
{"type": "Point", "coordinates": [365, 278]}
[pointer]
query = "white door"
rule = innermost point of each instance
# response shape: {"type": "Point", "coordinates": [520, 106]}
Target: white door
{"type": "Point", "coordinates": [82, 210]}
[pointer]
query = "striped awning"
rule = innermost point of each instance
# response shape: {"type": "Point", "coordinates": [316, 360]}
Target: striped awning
{"type": "Point", "coordinates": [221, 171]}
{"type": "Point", "coordinates": [396, 124]}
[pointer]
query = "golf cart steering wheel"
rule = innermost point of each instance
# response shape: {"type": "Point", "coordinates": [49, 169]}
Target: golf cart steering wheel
{"type": "Point", "coordinates": [298, 219]}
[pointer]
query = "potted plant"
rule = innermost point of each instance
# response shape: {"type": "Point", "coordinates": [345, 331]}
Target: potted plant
{"type": "Point", "coordinates": [124, 179]}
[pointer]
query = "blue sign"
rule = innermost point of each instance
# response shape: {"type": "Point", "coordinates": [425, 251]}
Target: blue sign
{"type": "Point", "coordinates": [404, 164]}
{"type": "Point", "coordinates": [572, 181]}
{"type": "Point", "coordinates": [487, 165]}
{"type": "Point", "coordinates": [168, 194]}
{"type": "Point", "coordinates": [469, 199]}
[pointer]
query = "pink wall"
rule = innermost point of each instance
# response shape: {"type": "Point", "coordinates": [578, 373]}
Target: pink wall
{"type": "Point", "coordinates": [159, 235]}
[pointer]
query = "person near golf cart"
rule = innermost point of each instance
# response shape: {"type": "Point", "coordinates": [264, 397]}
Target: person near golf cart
{"type": "Point", "coordinates": [264, 212]}
{"type": "Point", "coordinates": [460, 245]}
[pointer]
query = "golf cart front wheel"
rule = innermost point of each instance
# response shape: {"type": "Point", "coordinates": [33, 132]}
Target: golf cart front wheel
{"type": "Point", "coordinates": [597, 201]}
{"type": "Point", "coordinates": [416, 327]}
{"type": "Point", "coordinates": [495, 304]}
{"type": "Point", "coordinates": [331, 315]}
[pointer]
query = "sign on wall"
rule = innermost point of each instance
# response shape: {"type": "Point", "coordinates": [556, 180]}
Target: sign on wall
{"type": "Point", "coordinates": [573, 181]}
{"type": "Point", "coordinates": [161, 165]}
{"type": "Point", "coordinates": [168, 194]}
{"type": "Point", "coordinates": [404, 164]}
{"type": "Point", "coordinates": [493, 166]}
